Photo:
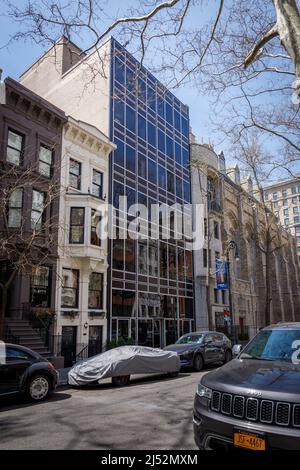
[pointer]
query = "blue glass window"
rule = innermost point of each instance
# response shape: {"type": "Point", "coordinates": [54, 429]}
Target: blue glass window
{"type": "Point", "coordinates": [118, 191]}
{"type": "Point", "coordinates": [177, 120]}
{"type": "Point", "coordinates": [130, 79]}
{"type": "Point", "coordinates": [178, 153]}
{"type": "Point", "coordinates": [170, 182]}
{"type": "Point", "coordinates": [161, 141]}
{"type": "Point", "coordinates": [141, 127]}
{"type": "Point", "coordinates": [179, 187]}
{"type": "Point", "coordinates": [187, 193]}
{"type": "Point", "coordinates": [130, 193]}
{"type": "Point", "coordinates": [169, 113]}
{"type": "Point", "coordinates": [169, 146]}
{"type": "Point", "coordinates": [119, 71]}
{"type": "Point", "coordinates": [142, 90]}
{"type": "Point", "coordinates": [161, 106]}
{"type": "Point", "coordinates": [184, 126]}
{"type": "Point", "coordinates": [151, 134]}
{"type": "Point", "coordinates": [142, 168]}
{"type": "Point", "coordinates": [130, 119]}
{"type": "Point", "coordinates": [119, 111]}
{"type": "Point", "coordinates": [119, 152]}
{"type": "Point", "coordinates": [152, 171]}
{"type": "Point", "coordinates": [151, 102]}
{"type": "Point", "coordinates": [161, 177]}
{"type": "Point", "coordinates": [185, 157]}
{"type": "Point", "coordinates": [130, 159]}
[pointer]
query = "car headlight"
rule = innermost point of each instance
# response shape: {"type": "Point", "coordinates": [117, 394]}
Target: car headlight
{"type": "Point", "coordinates": [203, 391]}
{"type": "Point", "coordinates": [188, 352]}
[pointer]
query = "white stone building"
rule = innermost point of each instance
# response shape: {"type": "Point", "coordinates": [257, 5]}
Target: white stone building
{"type": "Point", "coordinates": [81, 321]}
{"type": "Point", "coordinates": [206, 166]}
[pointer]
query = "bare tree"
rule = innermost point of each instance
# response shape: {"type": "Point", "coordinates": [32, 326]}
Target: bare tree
{"type": "Point", "coordinates": [28, 236]}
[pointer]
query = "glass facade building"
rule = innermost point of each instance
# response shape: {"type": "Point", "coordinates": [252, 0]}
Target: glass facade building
{"type": "Point", "coordinates": [151, 281]}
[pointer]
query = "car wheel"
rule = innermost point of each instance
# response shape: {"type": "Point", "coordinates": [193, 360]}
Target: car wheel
{"type": "Point", "coordinates": [38, 387]}
{"type": "Point", "coordinates": [198, 362]}
{"type": "Point", "coordinates": [120, 381]}
{"type": "Point", "coordinates": [228, 356]}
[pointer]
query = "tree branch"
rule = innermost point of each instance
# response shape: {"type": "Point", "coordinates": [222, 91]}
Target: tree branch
{"type": "Point", "coordinates": [257, 49]}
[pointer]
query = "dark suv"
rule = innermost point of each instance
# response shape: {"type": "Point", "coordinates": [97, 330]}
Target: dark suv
{"type": "Point", "coordinates": [253, 402]}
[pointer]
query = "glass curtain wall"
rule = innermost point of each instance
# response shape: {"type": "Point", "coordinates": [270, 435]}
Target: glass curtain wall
{"type": "Point", "coordinates": [151, 280]}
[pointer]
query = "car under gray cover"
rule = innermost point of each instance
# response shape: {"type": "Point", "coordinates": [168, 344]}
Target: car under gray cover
{"type": "Point", "coordinates": [123, 361]}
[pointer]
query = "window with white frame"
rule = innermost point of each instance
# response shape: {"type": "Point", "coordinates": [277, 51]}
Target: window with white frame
{"type": "Point", "coordinates": [75, 174]}
{"type": "Point", "coordinates": [97, 184]}
{"type": "Point", "coordinates": [96, 291]}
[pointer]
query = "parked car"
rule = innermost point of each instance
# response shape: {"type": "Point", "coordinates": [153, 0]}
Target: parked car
{"type": "Point", "coordinates": [24, 371]}
{"type": "Point", "coordinates": [254, 401]}
{"type": "Point", "coordinates": [197, 349]}
{"type": "Point", "coordinates": [119, 363]}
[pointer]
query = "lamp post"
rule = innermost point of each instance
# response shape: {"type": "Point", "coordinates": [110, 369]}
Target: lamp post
{"type": "Point", "coordinates": [232, 246]}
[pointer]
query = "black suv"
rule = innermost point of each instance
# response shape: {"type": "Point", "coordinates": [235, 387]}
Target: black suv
{"type": "Point", "coordinates": [253, 402]}
{"type": "Point", "coordinates": [25, 371]}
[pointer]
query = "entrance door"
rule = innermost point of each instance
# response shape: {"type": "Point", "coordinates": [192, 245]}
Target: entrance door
{"type": "Point", "coordinates": [68, 344]}
{"type": "Point", "coordinates": [95, 340]}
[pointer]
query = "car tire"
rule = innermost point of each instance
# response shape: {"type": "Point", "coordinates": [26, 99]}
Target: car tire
{"type": "Point", "coordinates": [121, 381]}
{"type": "Point", "coordinates": [38, 387]}
{"type": "Point", "coordinates": [228, 356]}
{"type": "Point", "coordinates": [198, 363]}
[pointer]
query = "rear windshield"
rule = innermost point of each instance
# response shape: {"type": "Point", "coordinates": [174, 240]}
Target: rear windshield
{"type": "Point", "coordinates": [274, 345]}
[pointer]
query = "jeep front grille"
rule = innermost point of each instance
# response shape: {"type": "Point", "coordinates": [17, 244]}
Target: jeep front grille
{"type": "Point", "coordinates": [256, 409]}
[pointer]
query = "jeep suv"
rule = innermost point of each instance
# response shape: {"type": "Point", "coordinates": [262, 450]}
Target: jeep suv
{"type": "Point", "coordinates": [253, 402]}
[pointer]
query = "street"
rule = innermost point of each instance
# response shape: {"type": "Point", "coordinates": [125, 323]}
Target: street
{"type": "Point", "coordinates": [153, 412]}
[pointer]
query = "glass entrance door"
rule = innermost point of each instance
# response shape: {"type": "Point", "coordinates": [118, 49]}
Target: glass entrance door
{"type": "Point", "coordinates": [149, 333]}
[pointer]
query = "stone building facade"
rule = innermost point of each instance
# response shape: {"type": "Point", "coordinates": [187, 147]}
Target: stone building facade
{"type": "Point", "coordinates": [81, 286]}
{"type": "Point", "coordinates": [30, 162]}
{"type": "Point", "coordinates": [242, 219]}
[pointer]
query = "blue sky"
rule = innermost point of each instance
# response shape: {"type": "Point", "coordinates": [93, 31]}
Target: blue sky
{"type": "Point", "coordinates": [18, 56]}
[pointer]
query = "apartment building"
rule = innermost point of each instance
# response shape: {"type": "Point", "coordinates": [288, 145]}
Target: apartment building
{"type": "Point", "coordinates": [150, 282]}
{"type": "Point", "coordinates": [81, 284]}
{"type": "Point", "coordinates": [30, 163]}
{"type": "Point", "coordinates": [283, 197]}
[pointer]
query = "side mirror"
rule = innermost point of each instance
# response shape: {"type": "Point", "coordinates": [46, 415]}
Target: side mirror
{"type": "Point", "coordinates": [208, 342]}
{"type": "Point", "coordinates": [237, 349]}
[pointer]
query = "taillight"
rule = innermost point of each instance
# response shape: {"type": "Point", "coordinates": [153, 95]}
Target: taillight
{"type": "Point", "coordinates": [50, 365]}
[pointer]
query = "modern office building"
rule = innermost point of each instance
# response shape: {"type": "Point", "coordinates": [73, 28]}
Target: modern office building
{"type": "Point", "coordinates": [150, 282]}
{"type": "Point", "coordinates": [283, 197]}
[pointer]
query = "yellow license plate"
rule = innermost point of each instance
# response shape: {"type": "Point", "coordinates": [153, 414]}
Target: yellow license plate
{"type": "Point", "coordinates": [249, 441]}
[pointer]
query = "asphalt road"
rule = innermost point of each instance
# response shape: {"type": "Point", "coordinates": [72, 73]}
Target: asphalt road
{"type": "Point", "coordinates": [151, 413]}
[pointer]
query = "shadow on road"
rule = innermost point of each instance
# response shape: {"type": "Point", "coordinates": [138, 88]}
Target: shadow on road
{"type": "Point", "coordinates": [19, 401]}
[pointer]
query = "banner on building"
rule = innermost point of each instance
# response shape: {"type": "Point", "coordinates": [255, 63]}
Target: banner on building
{"type": "Point", "coordinates": [222, 274]}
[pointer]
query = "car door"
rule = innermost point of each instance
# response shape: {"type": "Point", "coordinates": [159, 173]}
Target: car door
{"type": "Point", "coordinates": [220, 345]}
{"type": "Point", "coordinates": [210, 348]}
{"type": "Point", "coordinates": [12, 368]}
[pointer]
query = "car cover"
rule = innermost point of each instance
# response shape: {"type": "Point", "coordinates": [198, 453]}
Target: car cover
{"type": "Point", "coordinates": [125, 360]}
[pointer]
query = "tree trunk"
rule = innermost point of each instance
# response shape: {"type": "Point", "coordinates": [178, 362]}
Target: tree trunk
{"type": "Point", "coordinates": [288, 27]}
{"type": "Point", "coordinates": [268, 290]}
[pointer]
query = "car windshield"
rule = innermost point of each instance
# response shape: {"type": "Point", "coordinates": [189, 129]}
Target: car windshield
{"type": "Point", "coordinates": [189, 339]}
{"type": "Point", "coordinates": [274, 345]}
